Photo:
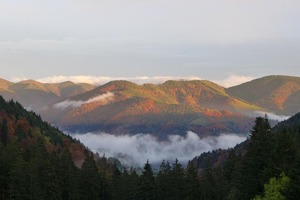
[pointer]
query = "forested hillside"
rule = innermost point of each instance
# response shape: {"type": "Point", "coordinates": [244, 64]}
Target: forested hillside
{"type": "Point", "coordinates": [266, 166]}
{"type": "Point", "coordinates": [38, 161]}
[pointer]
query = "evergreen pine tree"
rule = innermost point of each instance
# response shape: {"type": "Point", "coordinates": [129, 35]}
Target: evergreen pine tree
{"type": "Point", "coordinates": [44, 183]}
{"type": "Point", "coordinates": [163, 181]}
{"type": "Point", "coordinates": [147, 183]}
{"type": "Point", "coordinates": [177, 181]}
{"type": "Point", "coordinates": [294, 174]}
{"type": "Point", "coordinates": [68, 176]}
{"type": "Point", "coordinates": [90, 183]}
{"type": "Point", "coordinates": [192, 186]}
{"type": "Point", "coordinates": [256, 159]}
{"type": "Point", "coordinates": [133, 184]}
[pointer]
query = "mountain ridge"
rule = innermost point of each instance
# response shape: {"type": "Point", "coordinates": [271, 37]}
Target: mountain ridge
{"type": "Point", "coordinates": [277, 93]}
{"type": "Point", "coordinates": [172, 107]}
{"type": "Point", "coordinates": [135, 108]}
{"type": "Point", "coordinates": [36, 95]}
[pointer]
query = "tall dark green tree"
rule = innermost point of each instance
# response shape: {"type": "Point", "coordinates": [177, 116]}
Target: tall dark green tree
{"type": "Point", "coordinates": [133, 185]}
{"type": "Point", "coordinates": [283, 155]}
{"type": "Point", "coordinates": [256, 159]}
{"type": "Point", "coordinates": [294, 174]}
{"type": "Point", "coordinates": [177, 181]}
{"type": "Point", "coordinates": [163, 181]}
{"type": "Point", "coordinates": [44, 182]}
{"type": "Point", "coordinates": [192, 186]}
{"type": "Point", "coordinates": [147, 183]}
{"type": "Point", "coordinates": [4, 131]}
{"type": "Point", "coordinates": [90, 182]}
{"type": "Point", "coordinates": [18, 179]}
{"type": "Point", "coordinates": [68, 176]}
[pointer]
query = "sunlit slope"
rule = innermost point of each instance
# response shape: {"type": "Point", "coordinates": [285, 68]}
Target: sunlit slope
{"type": "Point", "coordinates": [171, 107]}
{"type": "Point", "coordinates": [36, 95]}
{"type": "Point", "coordinates": [280, 94]}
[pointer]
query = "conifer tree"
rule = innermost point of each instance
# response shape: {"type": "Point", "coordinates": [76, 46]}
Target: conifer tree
{"type": "Point", "coordinates": [4, 131]}
{"type": "Point", "coordinates": [163, 181]}
{"type": "Point", "coordinates": [90, 183]}
{"type": "Point", "coordinates": [44, 183]}
{"type": "Point", "coordinates": [191, 187]}
{"type": "Point", "coordinates": [294, 174]}
{"type": "Point", "coordinates": [147, 183]}
{"type": "Point", "coordinates": [133, 184]}
{"type": "Point", "coordinates": [68, 176]}
{"type": "Point", "coordinates": [177, 181]}
{"type": "Point", "coordinates": [256, 159]}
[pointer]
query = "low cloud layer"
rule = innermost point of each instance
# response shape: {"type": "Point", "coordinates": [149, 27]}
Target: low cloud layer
{"type": "Point", "coordinates": [273, 115]}
{"type": "Point", "coordinates": [71, 103]}
{"type": "Point", "coordinates": [233, 80]}
{"type": "Point", "coordinates": [135, 150]}
{"type": "Point", "coordinates": [229, 81]}
{"type": "Point", "coordinates": [98, 80]}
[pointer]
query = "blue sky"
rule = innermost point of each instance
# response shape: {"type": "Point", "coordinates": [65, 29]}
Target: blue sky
{"type": "Point", "coordinates": [209, 39]}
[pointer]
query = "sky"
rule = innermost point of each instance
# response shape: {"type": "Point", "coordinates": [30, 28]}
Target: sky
{"type": "Point", "coordinates": [229, 41]}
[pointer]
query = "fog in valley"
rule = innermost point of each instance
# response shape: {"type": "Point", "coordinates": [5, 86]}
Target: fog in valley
{"type": "Point", "coordinates": [134, 150]}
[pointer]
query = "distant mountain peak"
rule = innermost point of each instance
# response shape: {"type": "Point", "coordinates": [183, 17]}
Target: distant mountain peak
{"type": "Point", "coordinates": [277, 93]}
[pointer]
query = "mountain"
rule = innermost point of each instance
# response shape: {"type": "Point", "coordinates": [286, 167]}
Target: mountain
{"type": "Point", "coordinates": [172, 107]}
{"type": "Point", "coordinates": [35, 95]}
{"type": "Point", "coordinates": [279, 94]}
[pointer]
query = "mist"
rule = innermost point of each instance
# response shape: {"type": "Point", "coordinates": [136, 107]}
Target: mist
{"type": "Point", "coordinates": [273, 116]}
{"type": "Point", "coordinates": [72, 103]}
{"type": "Point", "coordinates": [134, 150]}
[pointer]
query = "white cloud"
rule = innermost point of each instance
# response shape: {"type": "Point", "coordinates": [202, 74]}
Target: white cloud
{"type": "Point", "coordinates": [272, 115]}
{"type": "Point", "coordinates": [135, 150]}
{"type": "Point", "coordinates": [99, 80]}
{"type": "Point", "coordinates": [233, 80]}
{"type": "Point", "coordinates": [72, 103]}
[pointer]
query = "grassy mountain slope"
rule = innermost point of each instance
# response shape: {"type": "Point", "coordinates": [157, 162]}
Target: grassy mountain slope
{"type": "Point", "coordinates": [171, 107]}
{"type": "Point", "coordinates": [36, 95]}
{"type": "Point", "coordinates": [281, 94]}
{"type": "Point", "coordinates": [174, 106]}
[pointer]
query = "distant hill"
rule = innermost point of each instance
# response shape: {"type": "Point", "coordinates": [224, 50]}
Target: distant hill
{"type": "Point", "coordinates": [172, 107]}
{"type": "Point", "coordinates": [279, 94]}
{"type": "Point", "coordinates": [35, 95]}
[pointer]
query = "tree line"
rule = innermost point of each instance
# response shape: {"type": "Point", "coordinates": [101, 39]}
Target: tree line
{"type": "Point", "coordinates": [37, 161]}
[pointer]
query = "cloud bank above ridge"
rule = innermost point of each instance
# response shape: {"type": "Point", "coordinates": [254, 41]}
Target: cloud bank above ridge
{"type": "Point", "coordinates": [228, 81]}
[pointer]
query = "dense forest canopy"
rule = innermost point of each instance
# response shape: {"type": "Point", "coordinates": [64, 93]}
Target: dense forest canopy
{"type": "Point", "coordinates": [38, 161]}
